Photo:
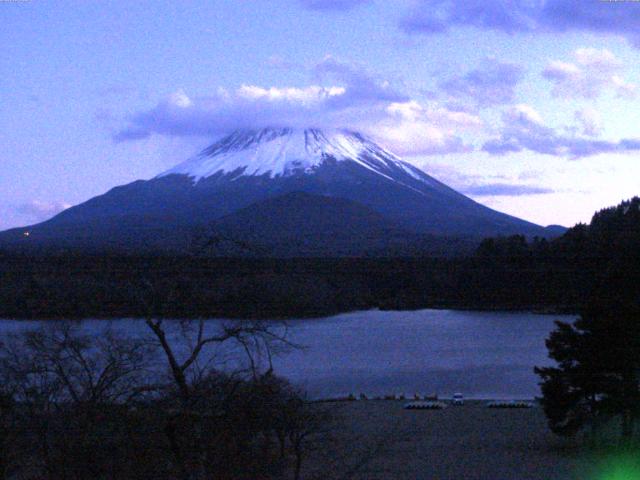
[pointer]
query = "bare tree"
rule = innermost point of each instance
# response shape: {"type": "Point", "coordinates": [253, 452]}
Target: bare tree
{"type": "Point", "coordinates": [61, 382]}
{"type": "Point", "coordinates": [259, 340]}
{"type": "Point", "coordinates": [188, 347]}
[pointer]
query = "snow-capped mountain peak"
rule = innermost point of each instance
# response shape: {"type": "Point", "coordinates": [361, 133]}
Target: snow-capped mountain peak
{"type": "Point", "coordinates": [285, 152]}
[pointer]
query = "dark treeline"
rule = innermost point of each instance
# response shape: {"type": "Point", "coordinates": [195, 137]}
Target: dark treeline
{"type": "Point", "coordinates": [504, 273]}
{"type": "Point", "coordinates": [597, 377]}
{"type": "Point", "coordinates": [93, 286]}
{"type": "Point", "coordinates": [588, 262]}
{"type": "Point", "coordinates": [189, 287]}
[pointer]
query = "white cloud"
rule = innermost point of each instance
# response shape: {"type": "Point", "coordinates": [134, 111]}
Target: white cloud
{"type": "Point", "coordinates": [312, 95]}
{"type": "Point", "coordinates": [415, 129]}
{"type": "Point", "coordinates": [492, 83]}
{"type": "Point", "coordinates": [359, 85]}
{"type": "Point", "coordinates": [486, 185]}
{"type": "Point", "coordinates": [353, 99]}
{"type": "Point", "coordinates": [249, 106]}
{"type": "Point", "coordinates": [506, 190]}
{"type": "Point", "coordinates": [590, 121]}
{"type": "Point", "coordinates": [414, 111]}
{"type": "Point", "coordinates": [333, 5]}
{"type": "Point", "coordinates": [180, 99]}
{"type": "Point", "coordinates": [620, 18]}
{"type": "Point", "coordinates": [524, 129]}
{"type": "Point", "coordinates": [341, 95]}
{"type": "Point", "coordinates": [523, 114]}
{"type": "Point", "coordinates": [624, 89]}
{"type": "Point", "coordinates": [592, 73]}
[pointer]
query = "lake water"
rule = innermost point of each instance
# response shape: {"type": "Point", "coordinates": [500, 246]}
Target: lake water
{"type": "Point", "coordinates": [480, 354]}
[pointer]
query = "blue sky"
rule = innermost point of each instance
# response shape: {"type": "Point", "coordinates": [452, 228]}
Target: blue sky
{"type": "Point", "coordinates": [529, 107]}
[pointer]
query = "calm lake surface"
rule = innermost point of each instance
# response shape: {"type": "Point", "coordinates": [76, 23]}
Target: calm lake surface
{"type": "Point", "coordinates": [481, 354]}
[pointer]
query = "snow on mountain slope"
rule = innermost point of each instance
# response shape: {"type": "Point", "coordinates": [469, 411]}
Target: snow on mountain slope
{"type": "Point", "coordinates": [285, 152]}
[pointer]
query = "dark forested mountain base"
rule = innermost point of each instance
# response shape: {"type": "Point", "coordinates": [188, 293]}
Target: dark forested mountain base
{"type": "Point", "coordinates": [602, 258]}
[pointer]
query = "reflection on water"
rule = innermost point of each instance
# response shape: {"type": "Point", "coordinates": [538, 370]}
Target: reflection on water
{"type": "Point", "coordinates": [481, 354]}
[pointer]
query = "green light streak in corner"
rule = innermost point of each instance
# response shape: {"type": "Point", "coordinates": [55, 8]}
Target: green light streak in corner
{"type": "Point", "coordinates": [621, 468]}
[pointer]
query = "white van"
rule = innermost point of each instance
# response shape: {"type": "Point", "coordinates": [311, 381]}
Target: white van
{"type": "Point", "coordinates": [457, 399]}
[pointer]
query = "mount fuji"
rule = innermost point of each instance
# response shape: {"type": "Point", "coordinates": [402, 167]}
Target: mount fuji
{"type": "Point", "coordinates": [278, 192]}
